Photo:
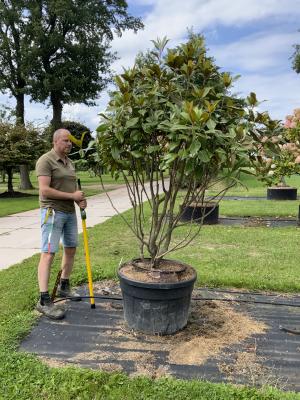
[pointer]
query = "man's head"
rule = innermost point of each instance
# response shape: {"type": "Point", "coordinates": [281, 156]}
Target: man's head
{"type": "Point", "coordinates": [61, 141]}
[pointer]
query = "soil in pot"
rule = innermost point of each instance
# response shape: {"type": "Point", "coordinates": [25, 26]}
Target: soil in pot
{"type": "Point", "coordinates": [282, 193]}
{"type": "Point", "coordinates": [156, 301]}
{"type": "Point", "coordinates": [195, 212]}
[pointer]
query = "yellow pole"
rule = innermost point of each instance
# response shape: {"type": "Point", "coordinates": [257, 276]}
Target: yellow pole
{"type": "Point", "coordinates": [87, 253]}
{"type": "Point", "coordinates": [88, 261]}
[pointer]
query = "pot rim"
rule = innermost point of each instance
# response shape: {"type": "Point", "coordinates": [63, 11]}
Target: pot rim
{"type": "Point", "coordinates": [157, 285]}
{"type": "Point", "coordinates": [282, 187]}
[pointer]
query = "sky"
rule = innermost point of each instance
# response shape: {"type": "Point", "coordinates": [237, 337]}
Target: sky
{"type": "Point", "coordinates": [251, 38]}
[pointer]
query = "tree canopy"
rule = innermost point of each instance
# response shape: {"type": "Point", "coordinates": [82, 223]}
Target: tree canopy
{"type": "Point", "coordinates": [13, 52]}
{"type": "Point", "coordinates": [70, 44]}
{"type": "Point", "coordinates": [18, 145]}
{"type": "Point", "coordinates": [59, 49]}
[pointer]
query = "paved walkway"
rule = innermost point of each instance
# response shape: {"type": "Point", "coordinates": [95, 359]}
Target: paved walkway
{"type": "Point", "coordinates": [20, 233]}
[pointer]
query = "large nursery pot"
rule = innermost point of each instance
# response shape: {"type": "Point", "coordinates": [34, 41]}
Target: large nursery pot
{"type": "Point", "coordinates": [156, 301]}
{"type": "Point", "coordinates": [282, 193]}
{"type": "Point", "coordinates": [195, 212]}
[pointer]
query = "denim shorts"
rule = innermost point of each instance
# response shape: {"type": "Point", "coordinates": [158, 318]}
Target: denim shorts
{"type": "Point", "coordinates": [59, 225]}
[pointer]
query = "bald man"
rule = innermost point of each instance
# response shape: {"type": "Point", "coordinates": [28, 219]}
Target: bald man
{"type": "Point", "coordinates": [58, 193]}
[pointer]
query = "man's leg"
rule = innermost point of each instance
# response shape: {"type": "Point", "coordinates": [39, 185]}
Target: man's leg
{"type": "Point", "coordinates": [45, 305]}
{"type": "Point", "coordinates": [67, 262]}
{"type": "Point", "coordinates": [44, 270]}
{"type": "Point", "coordinates": [70, 241]}
{"type": "Point", "coordinates": [64, 288]}
{"type": "Point", "coordinates": [50, 241]}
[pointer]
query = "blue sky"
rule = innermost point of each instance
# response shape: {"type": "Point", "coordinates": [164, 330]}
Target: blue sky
{"type": "Point", "coordinates": [253, 38]}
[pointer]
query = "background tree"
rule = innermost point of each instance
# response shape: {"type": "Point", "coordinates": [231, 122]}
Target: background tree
{"type": "Point", "coordinates": [75, 128]}
{"type": "Point", "coordinates": [70, 43]}
{"type": "Point", "coordinates": [296, 58]}
{"type": "Point", "coordinates": [285, 162]}
{"type": "Point", "coordinates": [18, 145]}
{"type": "Point", "coordinates": [14, 61]}
{"type": "Point", "coordinates": [13, 50]}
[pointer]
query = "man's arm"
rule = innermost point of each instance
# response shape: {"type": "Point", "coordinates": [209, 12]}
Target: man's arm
{"type": "Point", "coordinates": [50, 193]}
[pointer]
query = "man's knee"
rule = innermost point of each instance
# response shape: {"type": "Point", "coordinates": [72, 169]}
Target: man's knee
{"type": "Point", "coordinates": [70, 251]}
{"type": "Point", "coordinates": [46, 258]}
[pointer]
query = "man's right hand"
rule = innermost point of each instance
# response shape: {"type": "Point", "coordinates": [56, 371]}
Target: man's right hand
{"type": "Point", "coordinates": [78, 196]}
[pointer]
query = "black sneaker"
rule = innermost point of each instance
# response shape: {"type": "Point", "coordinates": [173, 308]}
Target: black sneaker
{"type": "Point", "coordinates": [51, 310]}
{"type": "Point", "coordinates": [68, 292]}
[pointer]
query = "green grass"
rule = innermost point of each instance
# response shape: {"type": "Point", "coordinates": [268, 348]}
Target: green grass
{"type": "Point", "coordinates": [259, 208]}
{"type": "Point", "coordinates": [29, 379]}
{"type": "Point", "coordinates": [252, 187]}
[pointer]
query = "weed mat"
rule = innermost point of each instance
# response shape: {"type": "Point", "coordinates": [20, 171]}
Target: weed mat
{"type": "Point", "coordinates": [224, 341]}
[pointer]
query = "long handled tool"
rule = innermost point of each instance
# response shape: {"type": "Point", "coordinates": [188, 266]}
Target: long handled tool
{"type": "Point", "coordinates": [87, 253]}
{"type": "Point", "coordinates": [56, 285]}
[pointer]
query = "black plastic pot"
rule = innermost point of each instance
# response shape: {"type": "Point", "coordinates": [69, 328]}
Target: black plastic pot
{"type": "Point", "coordinates": [195, 213]}
{"type": "Point", "coordinates": [282, 193]}
{"type": "Point", "coordinates": [156, 308]}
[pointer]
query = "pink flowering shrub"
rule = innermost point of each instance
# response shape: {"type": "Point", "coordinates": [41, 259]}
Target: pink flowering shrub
{"type": "Point", "coordinates": [286, 161]}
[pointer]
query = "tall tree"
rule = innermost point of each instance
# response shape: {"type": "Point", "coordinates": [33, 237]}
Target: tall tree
{"type": "Point", "coordinates": [13, 73]}
{"type": "Point", "coordinates": [70, 41]}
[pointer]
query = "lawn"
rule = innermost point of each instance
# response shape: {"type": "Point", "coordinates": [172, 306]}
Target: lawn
{"type": "Point", "coordinates": [254, 258]}
{"type": "Point", "coordinates": [250, 186]}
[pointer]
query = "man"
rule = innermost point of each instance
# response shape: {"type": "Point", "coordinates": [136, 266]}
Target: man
{"type": "Point", "coordinates": [58, 192]}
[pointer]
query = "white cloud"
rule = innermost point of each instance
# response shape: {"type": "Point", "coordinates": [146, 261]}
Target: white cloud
{"type": "Point", "coordinates": [262, 51]}
{"type": "Point", "coordinates": [279, 92]}
{"type": "Point", "coordinates": [173, 17]}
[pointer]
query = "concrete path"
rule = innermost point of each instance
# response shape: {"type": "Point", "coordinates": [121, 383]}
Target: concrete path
{"type": "Point", "coordinates": [20, 233]}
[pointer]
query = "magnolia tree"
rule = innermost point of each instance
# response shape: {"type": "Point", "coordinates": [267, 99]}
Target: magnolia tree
{"type": "Point", "coordinates": [286, 161]}
{"type": "Point", "coordinates": [172, 120]}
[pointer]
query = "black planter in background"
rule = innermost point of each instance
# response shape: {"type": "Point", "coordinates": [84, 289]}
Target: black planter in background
{"type": "Point", "coordinates": [282, 193]}
{"type": "Point", "coordinates": [195, 213]}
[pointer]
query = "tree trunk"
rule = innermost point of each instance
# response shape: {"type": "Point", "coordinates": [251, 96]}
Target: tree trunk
{"type": "Point", "coordinates": [9, 171]}
{"type": "Point", "coordinates": [57, 107]}
{"type": "Point", "coordinates": [20, 120]}
{"type": "Point", "coordinates": [20, 113]}
{"type": "Point", "coordinates": [25, 183]}
{"type": "Point", "coordinates": [282, 182]}
{"type": "Point", "coordinates": [3, 174]}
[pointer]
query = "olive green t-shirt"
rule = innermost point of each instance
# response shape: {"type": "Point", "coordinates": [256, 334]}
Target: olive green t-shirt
{"type": "Point", "coordinates": [63, 178]}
